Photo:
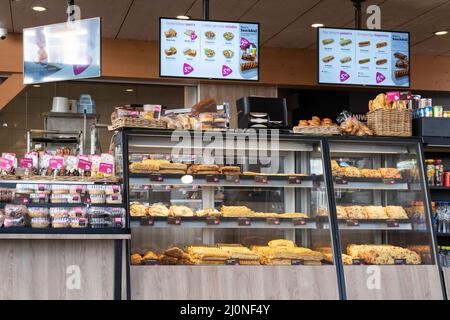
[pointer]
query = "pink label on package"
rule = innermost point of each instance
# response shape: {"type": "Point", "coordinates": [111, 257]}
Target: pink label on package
{"type": "Point", "coordinates": [6, 164]}
{"type": "Point", "coordinates": [380, 77]}
{"type": "Point", "coordinates": [344, 76]}
{"type": "Point", "coordinates": [244, 43]}
{"type": "Point", "coordinates": [26, 163]}
{"type": "Point", "coordinates": [84, 165]}
{"type": "Point", "coordinates": [226, 71]}
{"type": "Point", "coordinates": [56, 163]}
{"type": "Point", "coordinates": [187, 69]}
{"type": "Point", "coordinates": [116, 189]}
{"type": "Point", "coordinates": [392, 96]}
{"type": "Point", "coordinates": [105, 168]}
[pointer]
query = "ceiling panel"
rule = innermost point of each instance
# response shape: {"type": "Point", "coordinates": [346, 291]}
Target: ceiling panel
{"type": "Point", "coordinates": [5, 15]}
{"type": "Point", "coordinates": [274, 16]}
{"type": "Point", "coordinates": [142, 22]}
{"type": "Point", "coordinates": [299, 34]}
{"type": "Point", "coordinates": [228, 10]}
{"type": "Point", "coordinates": [434, 46]}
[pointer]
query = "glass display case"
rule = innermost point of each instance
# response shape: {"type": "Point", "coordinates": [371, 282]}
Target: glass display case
{"type": "Point", "coordinates": [384, 219]}
{"type": "Point", "coordinates": [234, 215]}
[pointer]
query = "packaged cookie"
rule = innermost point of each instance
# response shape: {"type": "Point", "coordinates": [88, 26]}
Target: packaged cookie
{"type": "Point", "coordinates": [59, 213]}
{"type": "Point", "coordinates": [25, 188]}
{"type": "Point", "coordinates": [38, 212]}
{"type": "Point", "coordinates": [60, 222]}
{"type": "Point", "coordinates": [73, 198]}
{"type": "Point", "coordinates": [97, 198]}
{"type": "Point", "coordinates": [78, 212]}
{"type": "Point", "coordinates": [60, 189]}
{"type": "Point", "coordinates": [15, 211]}
{"type": "Point", "coordinates": [42, 188]}
{"type": "Point", "coordinates": [6, 195]}
{"type": "Point", "coordinates": [96, 189]}
{"type": "Point", "coordinates": [59, 198]}
{"type": "Point", "coordinates": [18, 222]}
{"type": "Point", "coordinates": [114, 199]}
{"type": "Point", "coordinates": [39, 198]}
{"type": "Point", "coordinates": [78, 222]}
{"type": "Point", "coordinates": [40, 223]}
{"type": "Point", "coordinates": [80, 189]}
{"type": "Point", "coordinates": [115, 189]}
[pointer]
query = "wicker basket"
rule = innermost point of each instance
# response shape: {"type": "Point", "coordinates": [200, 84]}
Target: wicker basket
{"type": "Point", "coordinates": [390, 122]}
{"type": "Point", "coordinates": [136, 123]}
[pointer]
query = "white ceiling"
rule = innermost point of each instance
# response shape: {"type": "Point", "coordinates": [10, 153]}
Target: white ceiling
{"type": "Point", "coordinates": [284, 23]}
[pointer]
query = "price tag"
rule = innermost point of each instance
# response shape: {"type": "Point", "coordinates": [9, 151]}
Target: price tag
{"type": "Point", "coordinates": [392, 224]}
{"type": "Point", "coordinates": [261, 179]}
{"type": "Point", "coordinates": [26, 163]}
{"type": "Point", "coordinates": [357, 262]}
{"type": "Point", "coordinates": [273, 221]}
{"type": "Point", "coordinates": [105, 168]}
{"type": "Point", "coordinates": [232, 262]}
{"type": "Point", "coordinates": [400, 262]}
{"type": "Point", "coordinates": [147, 222]}
{"type": "Point", "coordinates": [118, 222]}
{"type": "Point", "coordinates": [156, 178]}
{"type": "Point", "coordinates": [6, 164]}
{"type": "Point", "coordinates": [75, 197]}
{"type": "Point", "coordinates": [41, 187]}
{"type": "Point", "coordinates": [299, 222]}
{"type": "Point", "coordinates": [389, 181]}
{"type": "Point", "coordinates": [352, 223]}
{"type": "Point", "coordinates": [295, 180]}
{"type": "Point", "coordinates": [151, 262]}
{"type": "Point", "coordinates": [212, 178]}
{"type": "Point", "coordinates": [244, 222]}
{"type": "Point", "coordinates": [82, 222]}
{"type": "Point", "coordinates": [341, 180]}
{"type": "Point", "coordinates": [233, 178]}
{"type": "Point", "coordinates": [174, 221]}
{"type": "Point", "coordinates": [56, 163]}
{"type": "Point", "coordinates": [212, 221]}
{"type": "Point", "coordinates": [84, 164]}
{"type": "Point", "coordinates": [297, 262]}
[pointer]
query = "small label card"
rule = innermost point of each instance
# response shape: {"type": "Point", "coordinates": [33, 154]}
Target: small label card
{"type": "Point", "coordinates": [147, 222]}
{"type": "Point", "coordinates": [244, 222]}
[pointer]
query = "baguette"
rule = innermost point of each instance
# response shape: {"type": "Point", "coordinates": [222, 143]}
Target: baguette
{"type": "Point", "coordinates": [346, 59]}
{"type": "Point", "coordinates": [364, 43]}
{"type": "Point", "coordinates": [328, 59]}
{"type": "Point", "coordinates": [362, 61]}
{"type": "Point", "coordinates": [327, 41]}
{"type": "Point", "coordinates": [345, 42]}
{"type": "Point", "coordinates": [381, 44]}
{"type": "Point", "coordinates": [249, 65]}
{"type": "Point", "coordinates": [381, 61]}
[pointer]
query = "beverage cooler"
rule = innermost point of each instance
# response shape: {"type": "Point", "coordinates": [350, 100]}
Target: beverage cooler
{"type": "Point", "coordinates": [325, 218]}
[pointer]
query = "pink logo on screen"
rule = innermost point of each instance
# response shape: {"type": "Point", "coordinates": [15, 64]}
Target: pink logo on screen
{"type": "Point", "coordinates": [244, 43]}
{"type": "Point", "coordinates": [226, 71]}
{"type": "Point", "coordinates": [193, 36]}
{"type": "Point", "coordinates": [78, 69]}
{"type": "Point", "coordinates": [187, 69]}
{"type": "Point", "coordinates": [380, 77]}
{"type": "Point", "coordinates": [344, 76]}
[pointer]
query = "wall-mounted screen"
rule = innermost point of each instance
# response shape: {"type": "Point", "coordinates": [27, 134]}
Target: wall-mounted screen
{"type": "Point", "coordinates": [209, 49]}
{"type": "Point", "coordinates": [63, 51]}
{"type": "Point", "coordinates": [363, 57]}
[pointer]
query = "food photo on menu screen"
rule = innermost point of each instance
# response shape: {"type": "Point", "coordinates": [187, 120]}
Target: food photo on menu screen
{"type": "Point", "coordinates": [363, 57]}
{"type": "Point", "coordinates": [209, 49]}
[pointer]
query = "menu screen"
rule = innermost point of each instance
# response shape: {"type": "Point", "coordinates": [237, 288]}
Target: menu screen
{"type": "Point", "coordinates": [363, 57]}
{"type": "Point", "coordinates": [209, 49]}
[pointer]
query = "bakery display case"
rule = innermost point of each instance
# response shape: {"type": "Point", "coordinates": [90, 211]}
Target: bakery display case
{"type": "Point", "coordinates": [384, 221]}
{"type": "Point", "coordinates": [227, 215]}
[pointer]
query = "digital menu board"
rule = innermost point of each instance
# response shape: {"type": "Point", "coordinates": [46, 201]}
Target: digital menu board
{"type": "Point", "coordinates": [63, 51]}
{"type": "Point", "coordinates": [209, 49]}
{"type": "Point", "coordinates": [363, 57]}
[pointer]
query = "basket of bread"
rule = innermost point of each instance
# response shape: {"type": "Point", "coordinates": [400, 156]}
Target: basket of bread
{"type": "Point", "coordinates": [317, 126]}
{"type": "Point", "coordinates": [389, 117]}
{"type": "Point", "coordinates": [136, 117]}
{"type": "Point", "coordinates": [351, 126]}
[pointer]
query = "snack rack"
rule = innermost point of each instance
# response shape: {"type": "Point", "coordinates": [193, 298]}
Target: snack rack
{"type": "Point", "coordinates": [317, 194]}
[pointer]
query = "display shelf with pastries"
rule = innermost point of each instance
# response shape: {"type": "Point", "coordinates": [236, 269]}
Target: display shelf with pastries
{"type": "Point", "coordinates": [229, 220]}
{"type": "Point", "coordinates": [383, 225]}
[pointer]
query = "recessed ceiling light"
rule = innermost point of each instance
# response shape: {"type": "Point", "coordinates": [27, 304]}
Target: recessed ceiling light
{"type": "Point", "coordinates": [317, 25]}
{"type": "Point", "coordinates": [39, 9]}
{"type": "Point", "coordinates": [36, 85]}
{"type": "Point", "coordinates": [129, 90]}
{"type": "Point", "coordinates": [183, 17]}
{"type": "Point", "coordinates": [441, 33]}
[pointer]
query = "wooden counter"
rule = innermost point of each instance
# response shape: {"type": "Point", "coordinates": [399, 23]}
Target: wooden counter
{"type": "Point", "coordinates": [394, 282]}
{"type": "Point", "coordinates": [233, 282]}
{"type": "Point", "coordinates": [51, 267]}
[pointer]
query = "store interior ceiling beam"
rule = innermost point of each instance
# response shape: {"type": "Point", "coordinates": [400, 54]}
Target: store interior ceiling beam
{"type": "Point", "coordinates": [10, 88]}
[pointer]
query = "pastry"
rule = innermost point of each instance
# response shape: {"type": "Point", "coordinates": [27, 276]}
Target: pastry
{"type": "Point", "coordinates": [381, 44]}
{"type": "Point", "coordinates": [210, 35]}
{"type": "Point", "coordinates": [327, 59]}
{"type": "Point", "coordinates": [228, 53]}
{"type": "Point", "coordinates": [236, 211]}
{"type": "Point", "coordinates": [293, 215]}
{"type": "Point", "coordinates": [208, 213]}
{"type": "Point", "coordinates": [241, 253]}
{"type": "Point", "coordinates": [402, 64]}
{"type": "Point", "coordinates": [390, 173]}
{"type": "Point", "coordinates": [171, 33]}
{"type": "Point", "coordinates": [381, 62]}
{"type": "Point", "coordinates": [370, 173]}
{"type": "Point", "coordinates": [356, 212]}
{"type": "Point", "coordinates": [303, 123]}
{"type": "Point", "coordinates": [228, 36]}
{"type": "Point", "coordinates": [327, 41]}
{"type": "Point", "coordinates": [173, 166]}
{"type": "Point", "coordinates": [396, 212]}
{"type": "Point", "coordinates": [249, 65]}
{"type": "Point", "coordinates": [401, 73]}
{"type": "Point", "coordinates": [208, 253]}
{"type": "Point", "coordinates": [180, 211]}
{"type": "Point", "coordinates": [364, 43]}
{"type": "Point", "coordinates": [376, 212]}
{"type": "Point", "coordinates": [341, 212]}
{"type": "Point", "coordinates": [172, 171]}
{"type": "Point", "coordinates": [190, 52]}
{"type": "Point", "coordinates": [230, 170]}
{"type": "Point", "coordinates": [158, 210]}
{"type": "Point", "coordinates": [281, 244]}
{"type": "Point", "coordinates": [351, 171]}
{"type": "Point", "coordinates": [174, 252]}
{"type": "Point", "coordinates": [150, 255]}
{"type": "Point", "coordinates": [201, 168]}
{"type": "Point", "coordinates": [210, 53]}
{"type": "Point", "coordinates": [345, 42]}
{"type": "Point", "coordinates": [362, 61]}
{"type": "Point", "coordinates": [137, 209]}
{"type": "Point", "coordinates": [171, 51]}
{"type": "Point", "coordinates": [136, 259]}
{"type": "Point", "coordinates": [400, 56]}
{"type": "Point", "coordinates": [166, 260]}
